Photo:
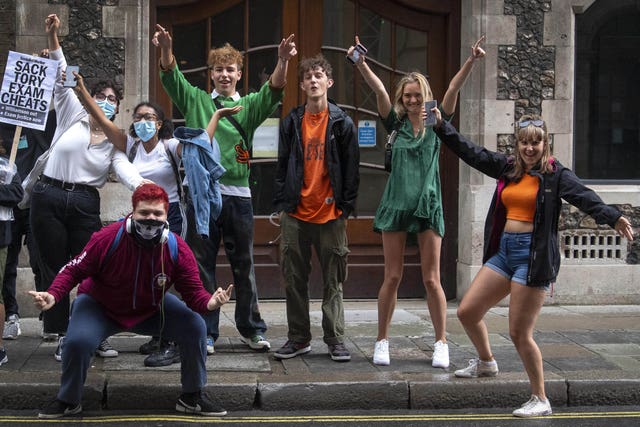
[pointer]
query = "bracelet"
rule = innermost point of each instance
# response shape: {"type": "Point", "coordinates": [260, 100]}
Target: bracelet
{"type": "Point", "coordinates": [283, 58]}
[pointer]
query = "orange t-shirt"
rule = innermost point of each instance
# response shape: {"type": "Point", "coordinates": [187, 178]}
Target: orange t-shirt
{"type": "Point", "coordinates": [519, 198]}
{"type": "Point", "coordinates": [317, 204]}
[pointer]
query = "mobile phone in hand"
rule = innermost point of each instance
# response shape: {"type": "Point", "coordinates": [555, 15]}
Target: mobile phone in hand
{"type": "Point", "coordinates": [70, 80]}
{"type": "Point", "coordinates": [355, 55]}
{"type": "Point", "coordinates": [431, 117]}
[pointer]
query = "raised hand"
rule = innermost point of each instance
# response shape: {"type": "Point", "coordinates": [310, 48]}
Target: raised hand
{"type": "Point", "coordinates": [352, 48]}
{"type": "Point", "coordinates": [52, 24]}
{"type": "Point", "coordinates": [162, 38]}
{"type": "Point", "coordinates": [287, 48]}
{"type": "Point", "coordinates": [476, 51]}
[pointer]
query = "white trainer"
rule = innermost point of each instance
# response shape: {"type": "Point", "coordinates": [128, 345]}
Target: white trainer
{"type": "Point", "coordinates": [534, 407]}
{"type": "Point", "coordinates": [440, 358]}
{"type": "Point", "coordinates": [478, 368]}
{"type": "Point", "coordinates": [381, 353]}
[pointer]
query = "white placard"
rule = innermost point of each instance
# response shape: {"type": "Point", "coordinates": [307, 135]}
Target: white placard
{"type": "Point", "coordinates": [26, 90]}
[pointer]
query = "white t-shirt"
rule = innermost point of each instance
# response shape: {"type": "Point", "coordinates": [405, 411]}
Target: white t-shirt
{"type": "Point", "coordinates": [156, 165]}
{"type": "Point", "coordinates": [74, 159]}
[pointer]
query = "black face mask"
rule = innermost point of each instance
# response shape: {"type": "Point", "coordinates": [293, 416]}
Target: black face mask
{"type": "Point", "coordinates": [148, 232]}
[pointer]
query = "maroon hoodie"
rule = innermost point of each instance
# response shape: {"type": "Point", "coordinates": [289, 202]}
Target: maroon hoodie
{"type": "Point", "coordinates": [126, 285]}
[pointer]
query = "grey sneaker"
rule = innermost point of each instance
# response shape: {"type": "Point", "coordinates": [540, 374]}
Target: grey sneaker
{"type": "Point", "coordinates": [339, 352]}
{"type": "Point", "coordinates": [292, 349]}
{"type": "Point", "coordinates": [11, 328]}
{"type": "Point", "coordinates": [257, 342]}
{"type": "Point", "coordinates": [478, 368]}
{"type": "Point", "coordinates": [534, 407]}
{"type": "Point", "coordinates": [105, 350]}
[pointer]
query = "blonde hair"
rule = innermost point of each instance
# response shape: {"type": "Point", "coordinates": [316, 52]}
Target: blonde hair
{"type": "Point", "coordinates": [225, 55]}
{"type": "Point", "coordinates": [412, 77]}
{"type": "Point", "coordinates": [531, 132]}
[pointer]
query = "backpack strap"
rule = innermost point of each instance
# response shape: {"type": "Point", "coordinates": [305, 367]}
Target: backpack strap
{"type": "Point", "coordinates": [172, 243]}
{"type": "Point", "coordinates": [233, 121]}
{"type": "Point", "coordinates": [114, 243]}
{"type": "Point", "coordinates": [133, 151]}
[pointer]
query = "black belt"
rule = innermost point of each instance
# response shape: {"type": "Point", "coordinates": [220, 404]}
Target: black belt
{"type": "Point", "coordinates": [68, 186]}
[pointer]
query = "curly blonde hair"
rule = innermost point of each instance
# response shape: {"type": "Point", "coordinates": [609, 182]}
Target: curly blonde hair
{"type": "Point", "coordinates": [225, 55]}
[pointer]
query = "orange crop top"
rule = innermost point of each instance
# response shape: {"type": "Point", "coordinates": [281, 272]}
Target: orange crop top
{"type": "Point", "coordinates": [519, 198]}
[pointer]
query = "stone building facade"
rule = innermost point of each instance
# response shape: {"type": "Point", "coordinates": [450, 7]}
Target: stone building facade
{"type": "Point", "coordinates": [529, 68]}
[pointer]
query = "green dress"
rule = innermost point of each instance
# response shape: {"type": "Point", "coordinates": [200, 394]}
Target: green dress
{"type": "Point", "coordinates": [412, 199]}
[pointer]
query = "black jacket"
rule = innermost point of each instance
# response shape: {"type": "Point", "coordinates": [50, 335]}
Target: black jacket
{"type": "Point", "coordinates": [341, 154]}
{"type": "Point", "coordinates": [562, 183]}
{"type": "Point", "coordinates": [10, 195]}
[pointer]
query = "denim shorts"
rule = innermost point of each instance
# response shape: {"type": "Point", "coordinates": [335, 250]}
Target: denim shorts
{"type": "Point", "coordinates": [512, 259]}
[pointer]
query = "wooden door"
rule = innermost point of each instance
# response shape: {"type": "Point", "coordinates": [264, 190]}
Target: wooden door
{"type": "Point", "coordinates": [402, 35]}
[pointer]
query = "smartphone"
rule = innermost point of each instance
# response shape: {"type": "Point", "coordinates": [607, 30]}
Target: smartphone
{"type": "Point", "coordinates": [431, 117]}
{"type": "Point", "coordinates": [70, 80]}
{"type": "Point", "coordinates": [355, 55]}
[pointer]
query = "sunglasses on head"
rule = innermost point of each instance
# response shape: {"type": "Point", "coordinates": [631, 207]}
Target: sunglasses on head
{"type": "Point", "coordinates": [536, 123]}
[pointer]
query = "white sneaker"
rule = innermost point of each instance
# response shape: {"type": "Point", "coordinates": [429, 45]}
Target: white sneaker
{"type": "Point", "coordinates": [440, 358]}
{"type": "Point", "coordinates": [381, 353]}
{"type": "Point", "coordinates": [478, 368]}
{"type": "Point", "coordinates": [534, 407]}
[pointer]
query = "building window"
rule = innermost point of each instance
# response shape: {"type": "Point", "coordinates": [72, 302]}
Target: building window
{"type": "Point", "coordinates": [607, 126]}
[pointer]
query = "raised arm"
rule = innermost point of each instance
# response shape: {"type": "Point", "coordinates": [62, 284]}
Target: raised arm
{"type": "Point", "coordinates": [51, 26]}
{"type": "Point", "coordinates": [217, 115]}
{"type": "Point", "coordinates": [375, 84]}
{"type": "Point", "coordinates": [451, 96]}
{"type": "Point", "coordinates": [286, 51]}
{"type": "Point", "coordinates": [117, 137]}
{"type": "Point", "coordinates": [162, 39]}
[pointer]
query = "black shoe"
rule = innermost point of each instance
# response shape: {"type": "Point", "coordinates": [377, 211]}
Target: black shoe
{"type": "Point", "coordinates": [151, 346]}
{"type": "Point", "coordinates": [163, 357]}
{"type": "Point", "coordinates": [199, 403]}
{"type": "Point", "coordinates": [58, 409]}
{"type": "Point", "coordinates": [292, 349]}
{"type": "Point", "coordinates": [339, 352]}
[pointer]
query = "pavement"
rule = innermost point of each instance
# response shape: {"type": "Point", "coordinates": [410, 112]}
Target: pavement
{"type": "Point", "coordinates": [591, 357]}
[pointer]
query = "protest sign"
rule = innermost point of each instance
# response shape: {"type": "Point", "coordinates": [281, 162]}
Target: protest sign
{"type": "Point", "coordinates": [26, 90]}
{"type": "Point", "coordinates": [26, 93]}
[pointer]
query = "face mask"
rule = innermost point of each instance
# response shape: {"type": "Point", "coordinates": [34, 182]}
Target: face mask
{"type": "Point", "coordinates": [148, 231]}
{"type": "Point", "coordinates": [107, 108]}
{"type": "Point", "coordinates": [145, 129]}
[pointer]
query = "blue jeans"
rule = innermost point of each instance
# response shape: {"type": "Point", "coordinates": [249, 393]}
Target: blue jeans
{"type": "Point", "coordinates": [62, 223]}
{"type": "Point", "coordinates": [234, 228]}
{"type": "Point", "coordinates": [89, 326]}
{"type": "Point", "coordinates": [512, 259]}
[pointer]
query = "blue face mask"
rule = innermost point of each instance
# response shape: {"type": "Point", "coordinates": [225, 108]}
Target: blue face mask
{"type": "Point", "coordinates": [107, 108]}
{"type": "Point", "coordinates": [145, 129]}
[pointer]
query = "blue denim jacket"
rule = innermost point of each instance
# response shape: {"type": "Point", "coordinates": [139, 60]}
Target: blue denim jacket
{"type": "Point", "coordinates": [203, 170]}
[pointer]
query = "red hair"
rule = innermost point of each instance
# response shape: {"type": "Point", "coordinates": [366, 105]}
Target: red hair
{"type": "Point", "coordinates": [150, 192]}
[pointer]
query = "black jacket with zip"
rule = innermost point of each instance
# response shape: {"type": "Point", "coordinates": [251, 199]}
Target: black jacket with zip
{"type": "Point", "coordinates": [562, 183]}
{"type": "Point", "coordinates": [340, 151]}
